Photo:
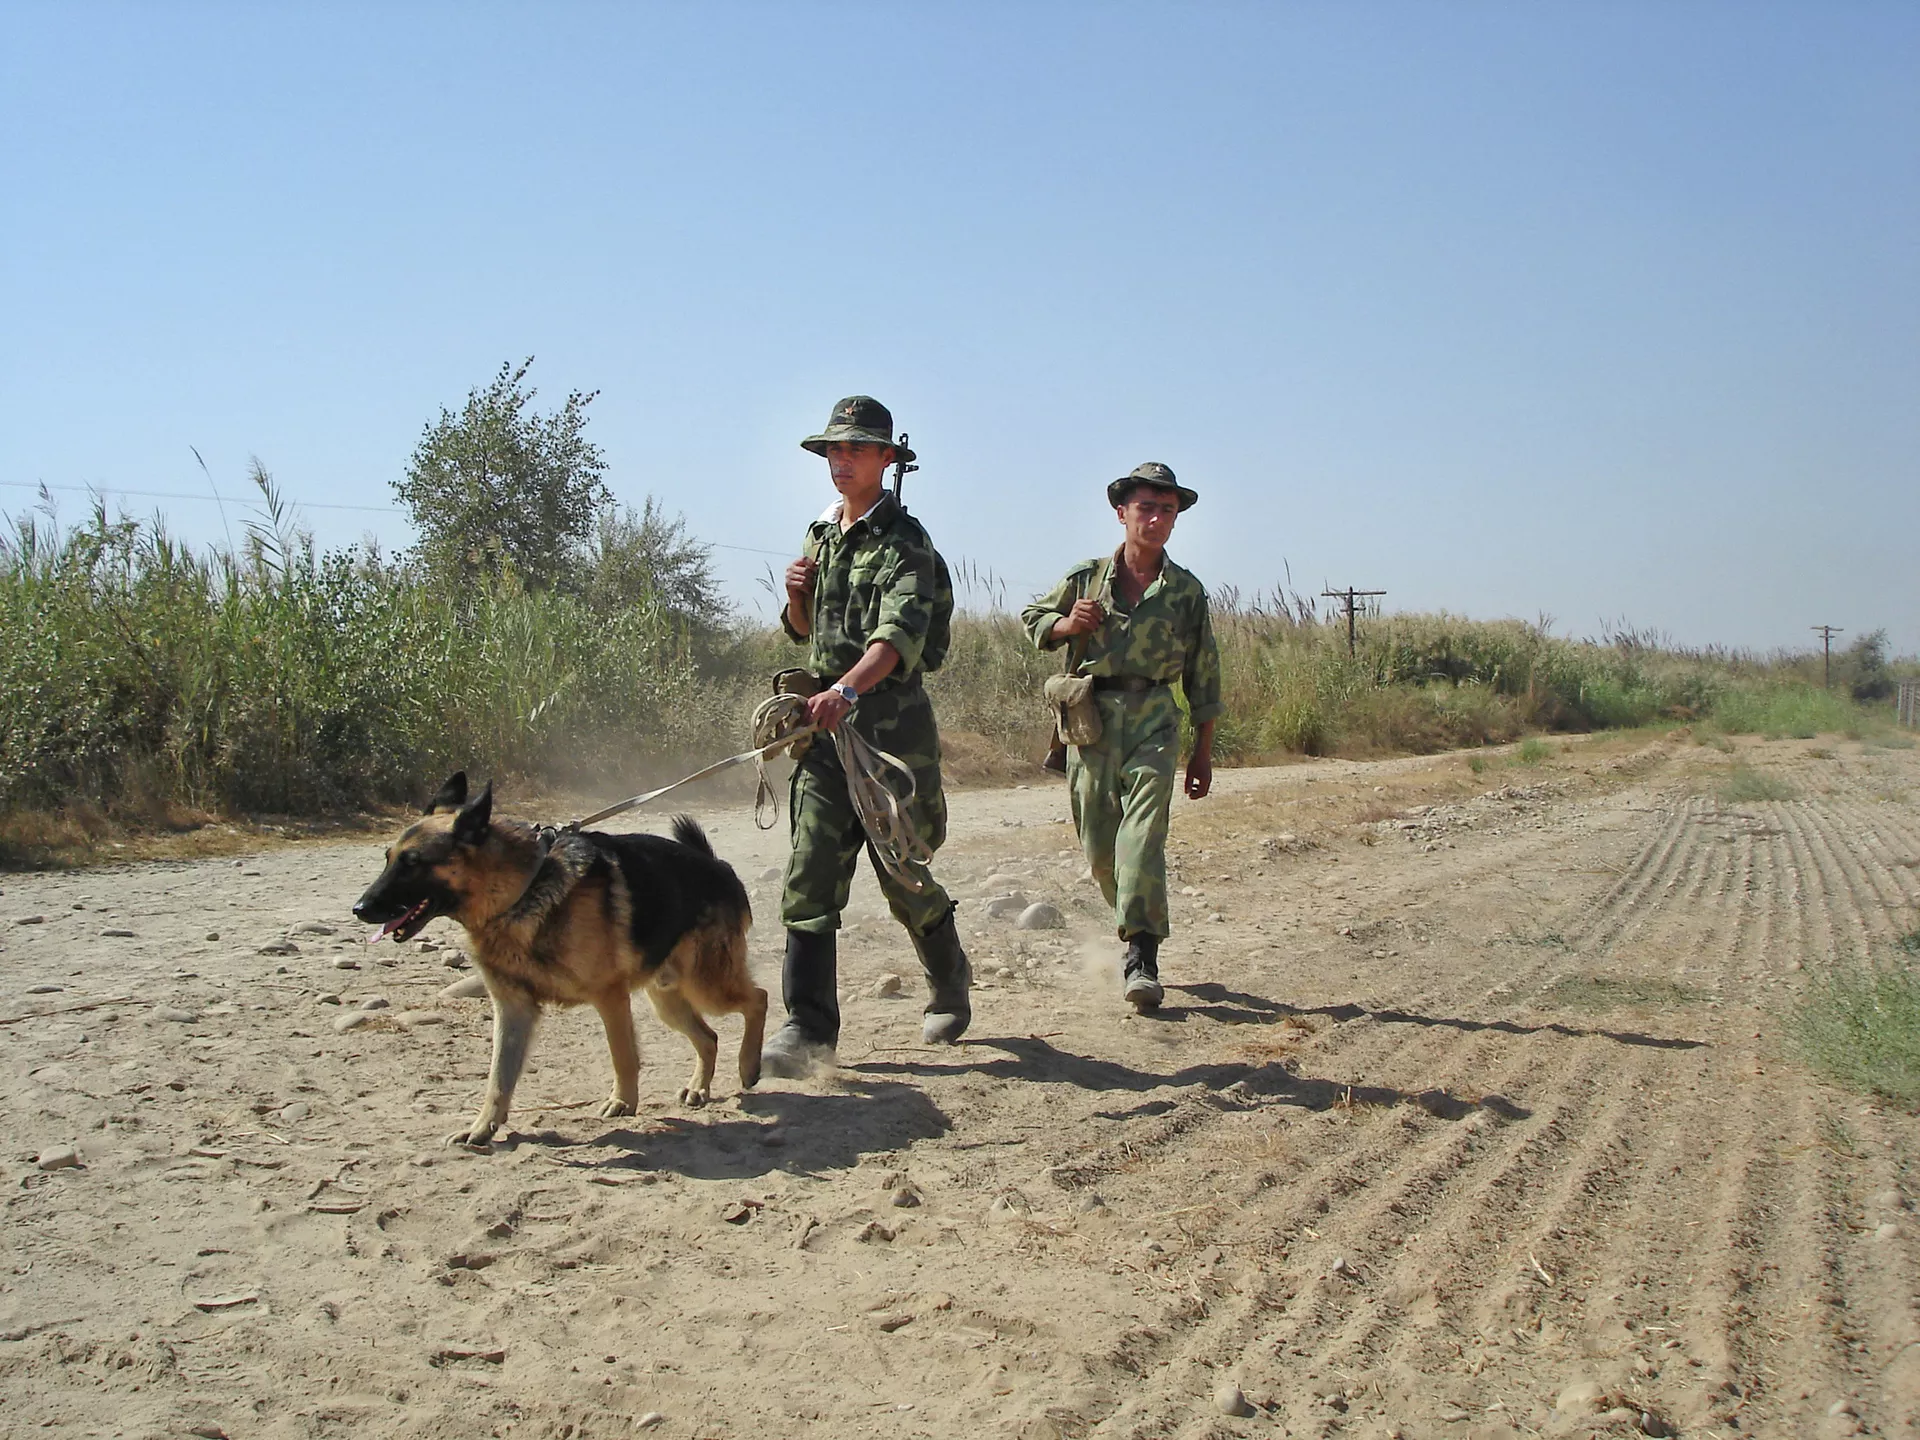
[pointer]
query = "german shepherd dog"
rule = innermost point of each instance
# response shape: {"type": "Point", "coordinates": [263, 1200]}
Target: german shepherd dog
{"type": "Point", "coordinates": [586, 920]}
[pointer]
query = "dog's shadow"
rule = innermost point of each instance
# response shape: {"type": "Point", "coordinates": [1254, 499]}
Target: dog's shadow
{"type": "Point", "coordinates": [798, 1131]}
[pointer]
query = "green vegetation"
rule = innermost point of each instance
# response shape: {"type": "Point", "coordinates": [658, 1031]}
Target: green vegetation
{"type": "Point", "coordinates": [143, 678]}
{"type": "Point", "coordinates": [1778, 712]}
{"type": "Point", "coordinates": [1746, 783]}
{"type": "Point", "coordinates": [1423, 683]}
{"type": "Point", "coordinates": [1861, 1026]}
{"type": "Point", "coordinates": [1610, 992]}
{"type": "Point", "coordinates": [500, 488]}
{"type": "Point", "coordinates": [542, 633]}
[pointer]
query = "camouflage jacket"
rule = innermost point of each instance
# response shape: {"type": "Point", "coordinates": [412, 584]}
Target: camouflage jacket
{"type": "Point", "coordinates": [1167, 636]}
{"type": "Point", "coordinates": [878, 580]}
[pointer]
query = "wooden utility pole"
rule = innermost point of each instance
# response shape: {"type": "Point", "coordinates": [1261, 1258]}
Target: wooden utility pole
{"type": "Point", "coordinates": [1346, 598]}
{"type": "Point", "coordinates": [1826, 633]}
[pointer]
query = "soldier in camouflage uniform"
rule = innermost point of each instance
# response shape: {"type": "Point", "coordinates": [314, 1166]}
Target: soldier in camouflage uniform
{"type": "Point", "coordinates": [871, 600]}
{"type": "Point", "coordinates": [1137, 623]}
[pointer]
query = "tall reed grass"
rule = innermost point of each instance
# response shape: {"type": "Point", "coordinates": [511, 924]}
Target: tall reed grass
{"type": "Point", "coordinates": [140, 675]}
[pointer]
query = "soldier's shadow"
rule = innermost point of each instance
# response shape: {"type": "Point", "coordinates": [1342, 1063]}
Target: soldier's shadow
{"type": "Point", "coordinates": [1234, 1007]}
{"type": "Point", "coordinates": [1244, 1083]}
{"type": "Point", "coordinates": [1217, 1002]}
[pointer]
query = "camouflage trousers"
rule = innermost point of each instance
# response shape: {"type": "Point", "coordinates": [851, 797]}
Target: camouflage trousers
{"type": "Point", "coordinates": [1121, 790]}
{"type": "Point", "coordinates": [828, 836]}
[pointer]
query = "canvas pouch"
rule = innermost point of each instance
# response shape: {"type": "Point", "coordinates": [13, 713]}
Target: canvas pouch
{"type": "Point", "coordinates": [1076, 716]}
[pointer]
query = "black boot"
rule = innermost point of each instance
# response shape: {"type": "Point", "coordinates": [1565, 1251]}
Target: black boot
{"type": "Point", "coordinates": [808, 987]}
{"type": "Point", "coordinates": [948, 975]}
{"type": "Point", "coordinates": [1143, 990]}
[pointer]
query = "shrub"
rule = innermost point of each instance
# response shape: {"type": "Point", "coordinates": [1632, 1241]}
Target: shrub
{"type": "Point", "coordinates": [1746, 784]}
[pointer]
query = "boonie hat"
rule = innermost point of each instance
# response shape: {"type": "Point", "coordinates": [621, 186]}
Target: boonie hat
{"type": "Point", "coordinates": [858, 420]}
{"type": "Point", "coordinates": [1153, 473]}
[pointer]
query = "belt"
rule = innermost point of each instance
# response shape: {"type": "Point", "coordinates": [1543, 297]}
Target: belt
{"type": "Point", "coordinates": [1132, 684]}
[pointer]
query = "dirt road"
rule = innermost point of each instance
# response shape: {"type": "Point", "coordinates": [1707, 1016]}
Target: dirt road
{"type": "Point", "coordinates": [1470, 1114]}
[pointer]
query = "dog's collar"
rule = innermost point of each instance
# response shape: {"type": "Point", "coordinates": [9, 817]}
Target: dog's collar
{"type": "Point", "coordinates": [545, 837]}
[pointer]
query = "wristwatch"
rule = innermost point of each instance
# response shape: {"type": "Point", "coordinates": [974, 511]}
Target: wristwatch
{"type": "Point", "coordinates": [845, 692]}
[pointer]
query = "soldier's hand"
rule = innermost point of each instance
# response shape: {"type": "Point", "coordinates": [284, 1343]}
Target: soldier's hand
{"type": "Point", "coordinates": [828, 709]}
{"type": "Point", "coordinates": [1199, 777]}
{"type": "Point", "coordinates": [1085, 617]}
{"type": "Point", "coordinates": [800, 580]}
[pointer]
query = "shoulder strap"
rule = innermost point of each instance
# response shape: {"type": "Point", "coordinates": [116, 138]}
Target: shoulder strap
{"type": "Point", "coordinates": [1097, 585]}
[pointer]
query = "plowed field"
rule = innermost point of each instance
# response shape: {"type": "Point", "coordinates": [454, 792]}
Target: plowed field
{"type": "Point", "coordinates": [1472, 1113]}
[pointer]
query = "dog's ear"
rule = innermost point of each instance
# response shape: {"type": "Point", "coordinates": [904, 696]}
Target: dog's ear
{"type": "Point", "coordinates": [470, 826]}
{"type": "Point", "coordinates": [452, 795]}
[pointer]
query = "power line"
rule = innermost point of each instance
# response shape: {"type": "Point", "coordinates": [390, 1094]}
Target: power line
{"type": "Point", "coordinates": [103, 491]}
{"type": "Point", "coordinates": [217, 497]}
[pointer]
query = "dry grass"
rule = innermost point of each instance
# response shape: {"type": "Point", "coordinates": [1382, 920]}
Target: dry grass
{"type": "Point", "coordinates": [151, 687]}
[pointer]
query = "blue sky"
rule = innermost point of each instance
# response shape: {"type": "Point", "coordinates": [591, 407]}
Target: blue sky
{"type": "Point", "coordinates": [1604, 311]}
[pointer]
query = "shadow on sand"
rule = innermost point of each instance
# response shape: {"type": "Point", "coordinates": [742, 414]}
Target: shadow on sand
{"type": "Point", "coordinates": [1247, 1083]}
{"type": "Point", "coordinates": [806, 1132]}
{"type": "Point", "coordinates": [1234, 1007]}
{"type": "Point", "coordinates": [797, 1131]}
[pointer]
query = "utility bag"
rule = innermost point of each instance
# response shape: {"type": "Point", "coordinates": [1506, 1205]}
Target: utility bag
{"type": "Point", "coordinates": [1076, 715]}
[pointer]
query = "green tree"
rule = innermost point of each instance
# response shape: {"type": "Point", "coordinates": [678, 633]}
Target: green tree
{"type": "Point", "coordinates": [501, 488]}
{"type": "Point", "coordinates": [1864, 664]}
{"type": "Point", "coordinates": [643, 557]}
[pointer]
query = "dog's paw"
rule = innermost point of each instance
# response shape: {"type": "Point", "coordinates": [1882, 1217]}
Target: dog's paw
{"type": "Point", "coordinates": [481, 1140]}
{"type": "Point", "coordinates": [693, 1097]}
{"type": "Point", "coordinates": [614, 1108]}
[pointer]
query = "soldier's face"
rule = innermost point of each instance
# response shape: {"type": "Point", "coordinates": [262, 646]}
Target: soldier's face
{"type": "Point", "coordinates": [1148, 516]}
{"type": "Point", "coordinates": [858, 469]}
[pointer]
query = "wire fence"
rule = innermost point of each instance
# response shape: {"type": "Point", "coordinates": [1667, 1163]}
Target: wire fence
{"type": "Point", "coordinates": [1909, 704]}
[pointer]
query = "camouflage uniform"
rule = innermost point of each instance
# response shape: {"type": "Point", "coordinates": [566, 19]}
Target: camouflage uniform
{"type": "Point", "coordinates": [1122, 787]}
{"type": "Point", "coordinates": [878, 580]}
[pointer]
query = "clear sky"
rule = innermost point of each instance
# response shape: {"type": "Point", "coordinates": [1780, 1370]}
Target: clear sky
{"type": "Point", "coordinates": [1603, 310]}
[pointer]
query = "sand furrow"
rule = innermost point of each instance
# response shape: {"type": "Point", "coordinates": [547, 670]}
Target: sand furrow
{"type": "Point", "coordinates": [1646, 871]}
{"type": "Point", "coordinates": [1377, 1175]}
{"type": "Point", "coordinates": [1825, 934]}
{"type": "Point", "coordinates": [1871, 893]}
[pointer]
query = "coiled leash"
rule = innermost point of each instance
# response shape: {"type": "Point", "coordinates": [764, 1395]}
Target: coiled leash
{"type": "Point", "coordinates": [780, 725]}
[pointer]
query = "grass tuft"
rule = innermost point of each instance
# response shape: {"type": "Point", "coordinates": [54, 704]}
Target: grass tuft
{"type": "Point", "coordinates": [1532, 751]}
{"type": "Point", "coordinates": [1607, 992]}
{"type": "Point", "coordinates": [1746, 784]}
{"type": "Point", "coordinates": [1861, 1026]}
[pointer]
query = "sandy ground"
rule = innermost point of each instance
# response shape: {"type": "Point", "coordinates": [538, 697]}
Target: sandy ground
{"type": "Point", "coordinates": [1470, 1115]}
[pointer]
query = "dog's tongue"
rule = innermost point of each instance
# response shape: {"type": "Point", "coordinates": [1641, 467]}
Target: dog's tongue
{"type": "Point", "coordinates": [395, 924]}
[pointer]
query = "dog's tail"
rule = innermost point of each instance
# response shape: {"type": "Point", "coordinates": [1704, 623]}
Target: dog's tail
{"type": "Point", "coordinates": [687, 831]}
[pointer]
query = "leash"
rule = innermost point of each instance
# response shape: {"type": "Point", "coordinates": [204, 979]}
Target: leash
{"type": "Point", "coordinates": [774, 730]}
{"type": "Point", "coordinates": [780, 725]}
